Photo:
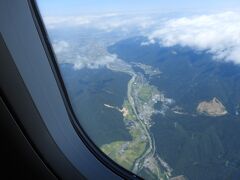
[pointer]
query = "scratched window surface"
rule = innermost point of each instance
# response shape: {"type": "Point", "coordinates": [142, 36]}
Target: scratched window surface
{"type": "Point", "coordinates": [155, 84]}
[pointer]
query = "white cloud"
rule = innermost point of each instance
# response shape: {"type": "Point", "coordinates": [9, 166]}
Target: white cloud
{"type": "Point", "coordinates": [61, 46]}
{"type": "Point", "coordinates": [81, 62]}
{"type": "Point", "coordinates": [107, 22]}
{"type": "Point", "coordinates": [147, 43]}
{"type": "Point", "coordinates": [53, 22]}
{"type": "Point", "coordinates": [219, 34]}
{"type": "Point", "coordinates": [95, 58]}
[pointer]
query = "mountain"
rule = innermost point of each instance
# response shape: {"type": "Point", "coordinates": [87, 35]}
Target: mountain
{"type": "Point", "coordinates": [193, 144]}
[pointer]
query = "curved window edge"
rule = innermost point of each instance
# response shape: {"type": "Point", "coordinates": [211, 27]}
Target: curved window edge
{"type": "Point", "coordinates": [103, 158]}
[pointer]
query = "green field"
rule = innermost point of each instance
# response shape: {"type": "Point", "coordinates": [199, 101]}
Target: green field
{"type": "Point", "coordinates": [128, 157]}
{"type": "Point", "coordinates": [125, 153]}
{"type": "Point", "coordinates": [145, 93]}
{"type": "Point", "coordinates": [131, 116]}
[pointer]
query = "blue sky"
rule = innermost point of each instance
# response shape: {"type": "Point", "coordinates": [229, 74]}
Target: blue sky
{"type": "Point", "coordinates": [76, 7]}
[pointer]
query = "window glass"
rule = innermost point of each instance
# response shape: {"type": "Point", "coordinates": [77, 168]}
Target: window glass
{"type": "Point", "coordinates": [155, 84]}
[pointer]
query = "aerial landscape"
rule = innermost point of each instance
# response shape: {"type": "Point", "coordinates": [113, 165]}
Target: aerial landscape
{"type": "Point", "coordinates": [157, 92]}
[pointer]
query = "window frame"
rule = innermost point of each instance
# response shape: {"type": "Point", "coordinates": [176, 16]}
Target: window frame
{"type": "Point", "coordinates": [100, 156]}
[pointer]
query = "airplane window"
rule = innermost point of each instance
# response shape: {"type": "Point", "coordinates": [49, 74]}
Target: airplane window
{"type": "Point", "coordinates": [154, 84]}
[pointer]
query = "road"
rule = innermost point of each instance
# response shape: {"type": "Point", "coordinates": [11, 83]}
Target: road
{"type": "Point", "coordinates": [149, 151]}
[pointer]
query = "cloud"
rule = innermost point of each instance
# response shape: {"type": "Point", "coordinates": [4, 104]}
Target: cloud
{"type": "Point", "coordinates": [219, 34]}
{"type": "Point", "coordinates": [61, 46]}
{"type": "Point", "coordinates": [107, 22]}
{"type": "Point", "coordinates": [53, 22]}
{"type": "Point", "coordinates": [91, 58]}
{"type": "Point", "coordinates": [84, 62]}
